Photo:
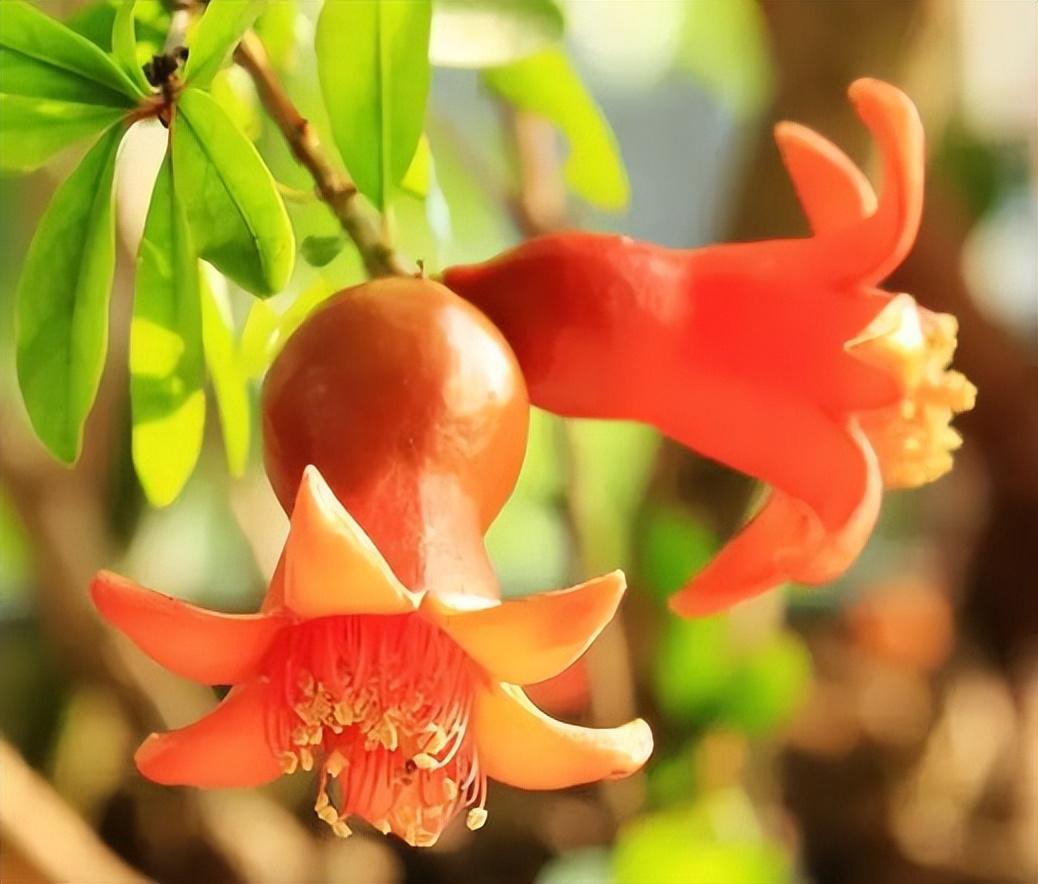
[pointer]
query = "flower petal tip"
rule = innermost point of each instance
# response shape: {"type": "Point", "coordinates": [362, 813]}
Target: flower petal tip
{"type": "Point", "coordinates": [149, 759]}
{"type": "Point", "coordinates": [638, 742]}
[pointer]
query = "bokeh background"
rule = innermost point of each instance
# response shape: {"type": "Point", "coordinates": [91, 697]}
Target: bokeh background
{"type": "Point", "coordinates": [883, 730]}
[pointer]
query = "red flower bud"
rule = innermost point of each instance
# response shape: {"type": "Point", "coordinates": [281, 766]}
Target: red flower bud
{"type": "Point", "coordinates": [778, 358]}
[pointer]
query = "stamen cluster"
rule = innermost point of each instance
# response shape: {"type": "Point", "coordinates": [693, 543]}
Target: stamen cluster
{"type": "Point", "coordinates": [381, 705]}
{"type": "Point", "coordinates": [913, 440]}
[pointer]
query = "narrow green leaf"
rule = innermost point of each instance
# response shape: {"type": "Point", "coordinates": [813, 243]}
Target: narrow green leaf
{"type": "Point", "coordinates": [373, 63]}
{"type": "Point", "coordinates": [62, 301]}
{"type": "Point", "coordinates": [230, 383]}
{"type": "Point", "coordinates": [96, 22]}
{"type": "Point", "coordinates": [216, 35]}
{"type": "Point", "coordinates": [488, 33]}
{"type": "Point", "coordinates": [31, 40]}
{"type": "Point", "coordinates": [416, 179]}
{"type": "Point", "coordinates": [167, 368]}
{"type": "Point", "coordinates": [32, 130]}
{"type": "Point", "coordinates": [124, 44]}
{"type": "Point", "coordinates": [259, 339]}
{"type": "Point", "coordinates": [237, 217]}
{"type": "Point", "coordinates": [276, 27]}
{"type": "Point", "coordinates": [546, 84]}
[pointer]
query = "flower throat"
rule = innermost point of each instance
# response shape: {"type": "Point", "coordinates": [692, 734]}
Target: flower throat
{"type": "Point", "coordinates": [381, 705]}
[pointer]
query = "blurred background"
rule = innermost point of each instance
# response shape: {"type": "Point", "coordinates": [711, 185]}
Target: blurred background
{"type": "Point", "coordinates": [883, 730]}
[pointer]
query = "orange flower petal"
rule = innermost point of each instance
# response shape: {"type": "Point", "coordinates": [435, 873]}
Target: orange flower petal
{"type": "Point", "coordinates": [784, 541]}
{"type": "Point", "coordinates": [519, 745]}
{"type": "Point", "coordinates": [331, 565]}
{"type": "Point", "coordinates": [826, 496]}
{"type": "Point", "coordinates": [530, 639]}
{"type": "Point", "coordinates": [831, 188]}
{"type": "Point", "coordinates": [226, 748]}
{"type": "Point", "coordinates": [205, 646]}
{"type": "Point", "coordinates": [867, 252]}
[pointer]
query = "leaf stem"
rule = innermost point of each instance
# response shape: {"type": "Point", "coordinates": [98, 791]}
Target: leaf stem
{"type": "Point", "coordinates": [333, 186]}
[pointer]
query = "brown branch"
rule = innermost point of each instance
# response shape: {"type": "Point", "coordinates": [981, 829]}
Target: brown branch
{"type": "Point", "coordinates": [46, 834]}
{"type": "Point", "coordinates": [333, 187]}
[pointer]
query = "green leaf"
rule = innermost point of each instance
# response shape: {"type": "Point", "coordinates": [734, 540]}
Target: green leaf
{"type": "Point", "coordinates": [546, 84]}
{"type": "Point", "coordinates": [489, 33]}
{"type": "Point", "coordinates": [373, 63]}
{"type": "Point", "coordinates": [769, 685]}
{"type": "Point", "coordinates": [216, 35]}
{"type": "Point", "coordinates": [96, 22]}
{"type": "Point", "coordinates": [318, 251]}
{"type": "Point", "coordinates": [725, 46]}
{"type": "Point", "coordinates": [259, 339]}
{"type": "Point", "coordinates": [232, 89]}
{"type": "Point", "coordinates": [716, 840]}
{"type": "Point", "coordinates": [38, 53]}
{"type": "Point", "coordinates": [230, 383]}
{"type": "Point", "coordinates": [167, 368]}
{"type": "Point", "coordinates": [62, 301]}
{"type": "Point", "coordinates": [611, 464]}
{"type": "Point", "coordinates": [236, 214]}
{"type": "Point", "coordinates": [33, 130]}
{"type": "Point", "coordinates": [124, 44]}
{"type": "Point", "coordinates": [276, 27]}
{"type": "Point", "coordinates": [416, 179]}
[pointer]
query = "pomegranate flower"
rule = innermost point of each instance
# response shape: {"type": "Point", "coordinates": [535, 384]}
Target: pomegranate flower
{"type": "Point", "coordinates": [407, 701]}
{"type": "Point", "coordinates": [781, 359]}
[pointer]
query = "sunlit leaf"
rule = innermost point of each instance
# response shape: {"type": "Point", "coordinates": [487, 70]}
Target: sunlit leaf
{"type": "Point", "coordinates": [40, 56]}
{"type": "Point", "coordinates": [725, 47]}
{"type": "Point", "coordinates": [611, 463]}
{"type": "Point", "coordinates": [693, 669]}
{"type": "Point", "coordinates": [167, 367]}
{"type": "Point", "coordinates": [316, 293]}
{"type": "Point", "coordinates": [715, 841]}
{"type": "Point", "coordinates": [62, 302]}
{"type": "Point", "coordinates": [416, 179]}
{"type": "Point", "coordinates": [232, 89]}
{"type": "Point", "coordinates": [768, 686]}
{"type": "Point", "coordinates": [259, 339]}
{"type": "Point", "coordinates": [33, 130]}
{"type": "Point", "coordinates": [318, 251]}
{"type": "Point", "coordinates": [216, 35]}
{"type": "Point", "coordinates": [673, 545]}
{"type": "Point", "coordinates": [546, 84]}
{"type": "Point", "coordinates": [276, 27]}
{"type": "Point", "coordinates": [486, 33]}
{"type": "Point", "coordinates": [56, 88]}
{"type": "Point", "coordinates": [237, 217]}
{"type": "Point", "coordinates": [96, 22]}
{"type": "Point", "coordinates": [124, 44]}
{"type": "Point", "coordinates": [230, 383]}
{"type": "Point", "coordinates": [373, 62]}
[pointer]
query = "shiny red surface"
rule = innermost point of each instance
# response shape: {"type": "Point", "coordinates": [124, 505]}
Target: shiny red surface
{"type": "Point", "coordinates": [411, 404]}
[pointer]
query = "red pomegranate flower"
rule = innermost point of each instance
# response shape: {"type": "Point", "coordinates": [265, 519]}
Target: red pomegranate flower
{"type": "Point", "coordinates": [781, 358]}
{"type": "Point", "coordinates": [407, 701]}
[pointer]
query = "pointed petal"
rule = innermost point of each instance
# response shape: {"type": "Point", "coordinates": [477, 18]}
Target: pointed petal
{"type": "Point", "coordinates": [519, 745]}
{"type": "Point", "coordinates": [202, 645]}
{"type": "Point", "coordinates": [869, 251]}
{"type": "Point", "coordinates": [784, 541]}
{"type": "Point", "coordinates": [331, 565]}
{"type": "Point", "coordinates": [831, 188]}
{"type": "Point", "coordinates": [530, 639]}
{"type": "Point", "coordinates": [226, 748]}
{"type": "Point", "coordinates": [826, 485]}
